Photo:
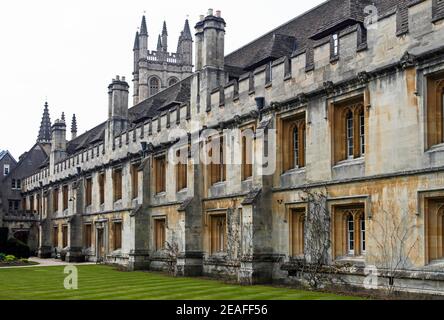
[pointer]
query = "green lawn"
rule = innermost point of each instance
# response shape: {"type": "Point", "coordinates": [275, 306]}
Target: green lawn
{"type": "Point", "coordinates": [104, 282]}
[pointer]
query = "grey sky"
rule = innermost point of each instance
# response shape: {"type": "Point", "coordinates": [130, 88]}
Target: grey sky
{"type": "Point", "coordinates": [68, 51]}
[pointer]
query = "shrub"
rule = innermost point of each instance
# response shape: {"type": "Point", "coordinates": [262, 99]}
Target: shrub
{"type": "Point", "coordinates": [2, 257]}
{"type": "Point", "coordinates": [17, 248]}
{"type": "Point", "coordinates": [24, 260]}
{"type": "Point", "coordinates": [10, 258]}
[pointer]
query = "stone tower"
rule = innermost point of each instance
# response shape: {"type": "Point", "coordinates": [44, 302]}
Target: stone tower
{"type": "Point", "coordinates": [159, 69]}
{"type": "Point", "coordinates": [45, 127]}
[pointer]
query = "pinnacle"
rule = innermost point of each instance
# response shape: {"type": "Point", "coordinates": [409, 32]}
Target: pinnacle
{"type": "Point", "coordinates": [143, 28]}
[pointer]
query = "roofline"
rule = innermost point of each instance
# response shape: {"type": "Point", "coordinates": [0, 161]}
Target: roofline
{"type": "Point", "coordinates": [7, 152]}
{"type": "Point", "coordinates": [280, 26]}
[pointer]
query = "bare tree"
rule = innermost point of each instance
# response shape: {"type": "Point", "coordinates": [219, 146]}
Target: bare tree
{"type": "Point", "coordinates": [317, 237]}
{"type": "Point", "coordinates": [394, 239]}
{"type": "Point", "coordinates": [172, 253]}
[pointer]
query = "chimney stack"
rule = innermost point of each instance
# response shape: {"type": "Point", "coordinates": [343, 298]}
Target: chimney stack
{"type": "Point", "coordinates": [118, 92]}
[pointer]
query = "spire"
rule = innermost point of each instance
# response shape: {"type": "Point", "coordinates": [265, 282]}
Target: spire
{"type": "Point", "coordinates": [164, 29]}
{"type": "Point", "coordinates": [74, 127]}
{"type": "Point", "coordinates": [63, 117]}
{"type": "Point", "coordinates": [45, 127]}
{"type": "Point", "coordinates": [187, 31]}
{"type": "Point", "coordinates": [143, 28]}
{"type": "Point", "coordinates": [164, 37]}
{"type": "Point", "coordinates": [159, 43]}
{"type": "Point", "coordinates": [136, 42]}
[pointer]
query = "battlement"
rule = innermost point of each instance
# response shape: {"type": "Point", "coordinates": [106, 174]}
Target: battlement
{"type": "Point", "coordinates": [160, 57]}
{"type": "Point", "coordinates": [153, 131]}
{"type": "Point", "coordinates": [305, 72]}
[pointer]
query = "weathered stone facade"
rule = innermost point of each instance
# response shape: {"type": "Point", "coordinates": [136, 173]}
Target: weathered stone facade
{"type": "Point", "coordinates": [358, 95]}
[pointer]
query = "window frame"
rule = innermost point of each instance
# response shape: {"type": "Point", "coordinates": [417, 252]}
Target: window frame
{"type": "Point", "coordinates": [293, 159]}
{"type": "Point", "coordinates": [218, 233]}
{"type": "Point", "coordinates": [160, 226]}
{"type": "Point", "coordinates": [154, 87]}
{"type": "Point", "coordinates": [117, 235]}
{"type": "Point", "coordinates": [349, 129]}
{"type": "Point", "coordinates": [117, 184]}
{"type": "Point", "coordinates": [160, 172]}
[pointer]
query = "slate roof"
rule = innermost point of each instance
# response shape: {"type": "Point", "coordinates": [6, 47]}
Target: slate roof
{"type": "Point", "coordinates": [152, 107]}
{"type": "Point", "coordinates": [313, 24]}
{"type": "Point", "coordinates": [283, 40]}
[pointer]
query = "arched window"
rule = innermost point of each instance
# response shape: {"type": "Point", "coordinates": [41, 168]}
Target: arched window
{"type": "Point", "coordinates": [154, 86]}
{"type": "Point", "coordinates": [362, 229]}
{"type": "Point", "coordinates": [350, 235]}
{"type": "Point", "coordinates": [296, 146]}
{"type": "Point", "coordinates": [362, 131]}
{"type": "Point", "coordinates": [172, 82]}
{"type": "Point", "coordinates": [349, 132]}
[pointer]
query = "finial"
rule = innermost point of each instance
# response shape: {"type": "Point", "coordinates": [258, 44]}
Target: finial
{"type": "Point", "coordinates": [63, 116]}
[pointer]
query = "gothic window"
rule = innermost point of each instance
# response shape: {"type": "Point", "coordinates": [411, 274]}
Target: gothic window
{"type": "Point", "coordinates": [55, 236]}
{"type": "Point", "coordinates": [348, 130]}
{"type": "Point", "coordinates": [39, 204]}
{"type": "Point", "coordinates": [88, 235]}
{"type": "Point", "coordinates": [31, 204]}
{"type": "Point", "coordinates": [117, 235]}
{"type": "Point", "coordinates": [362, 131]}
{"type": "Point", "coordinates": [65, 236]}
{"type": "Point", "coordinates": [160, 174]}
{"type": "Point", "coordinates": [362, 228]}
{"type": "Point", "coordinates": [349, 231]}
{"type": "Point", "coordinates": [334, 50]}
{"type": "Point", "coordinates": [154, 86]}
{"type": "Point", "coordinates": [269, 73]}
{"type": "Point", "coordinates": [434, 217]}
{"type": "Point", "coordinates": [218, 233]}
{"type": "Point", "coordinates": [247, 153]}
{"type": "Point", "coordinates": [88, 192]}
{"type": "Point", "coordinates": [65, 191]}
{"type": "Point", "coordinates": [159, 233]}
{"type": "Point", "coordinates": [117, 184]}
{"type": "Point", "coordinates": [182, 169]}
{"type": "Point", "coordinates": [297, 231]}
{"type": "Point", "coordinates": [435, 110]}
{"type": "Point", "coordinates": [293, 142]}
{"type": "Point", "coordinates": [135, 180]}
{"type": "Point", "coordinates": [351, 235]}
{"type": "Point", "coordinates": [55, 200]}
{"type": "Point", "coordinates": [102, 188]}
{"type": "Point", "coordinates": [217, 166]}
{"type": "Point", "coordinates": [172, 82]}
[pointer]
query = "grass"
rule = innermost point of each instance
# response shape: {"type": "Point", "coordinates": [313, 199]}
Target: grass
{"type": "Point", "coordinates": [105, 283]}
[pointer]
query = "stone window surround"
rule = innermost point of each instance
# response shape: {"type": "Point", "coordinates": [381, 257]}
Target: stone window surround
{"type": "Point", "coordinates": [359, 200]}
{"type": "Point", "coordinates": [423, 197]}
{"type": "Point", "coordinates": [289, 116]}
{"type": "Point", "coordinates": [361, 94]}
{"type": "Point", "coordinates": [209, 214]}
{"type": "Point", "coordinates": [155, 221]}
{"type": "Point", "coordinates": [290, 211]}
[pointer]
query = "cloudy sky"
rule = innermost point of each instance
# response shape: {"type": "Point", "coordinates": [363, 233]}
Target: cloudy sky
{"type": "Point", "coordinates": [68, 52]}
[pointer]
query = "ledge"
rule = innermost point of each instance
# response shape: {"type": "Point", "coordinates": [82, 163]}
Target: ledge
{"type": "Point", "coordinates": [436, 148]}
{"type": "Point", "coordinates": [349, 162]}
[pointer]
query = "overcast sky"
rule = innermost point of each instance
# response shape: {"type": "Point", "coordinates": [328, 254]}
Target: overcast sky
{"type": "Point", "coordinates": [68, 52]}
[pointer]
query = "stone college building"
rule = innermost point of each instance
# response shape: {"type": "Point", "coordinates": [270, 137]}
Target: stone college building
{"type": "Point", "coordinates": [338, 113]}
